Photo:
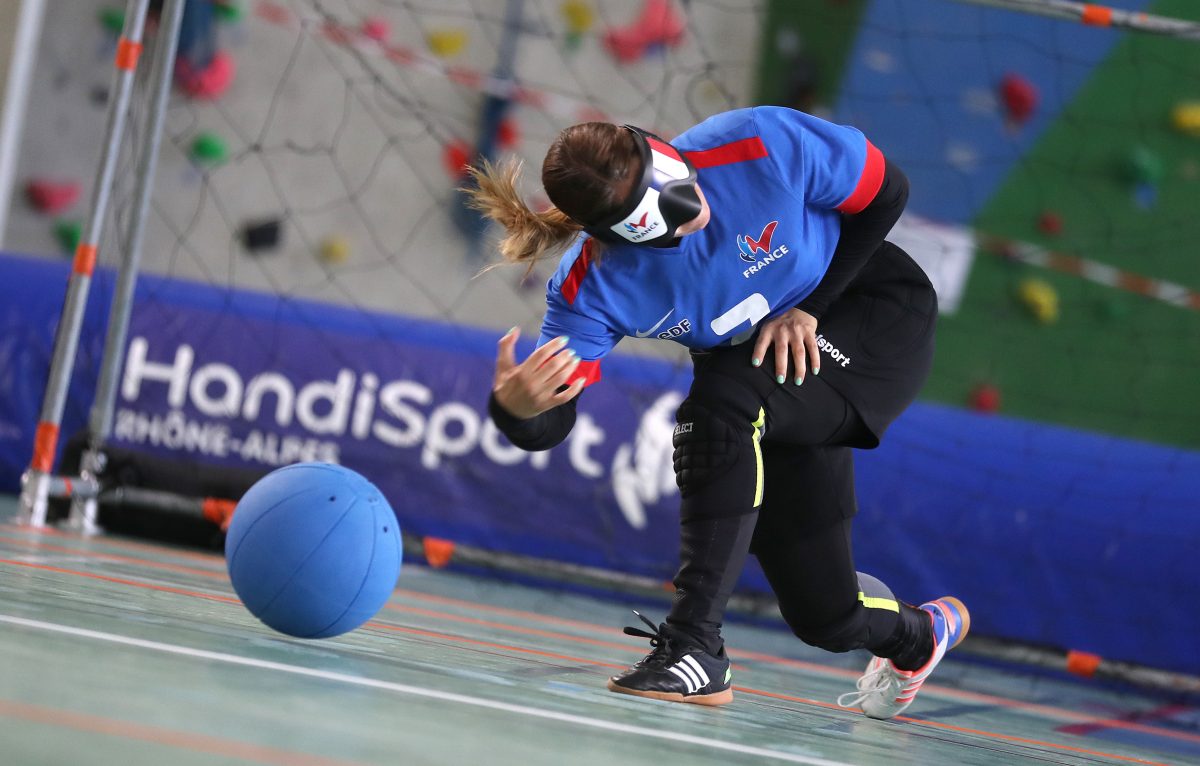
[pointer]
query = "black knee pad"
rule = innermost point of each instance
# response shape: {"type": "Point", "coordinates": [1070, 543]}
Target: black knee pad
{"type": "Point", "coordinates": [844, 635]}
{"type": "Point", "coordinates": [870, 619]}
{"type": "Point", "coordinates": [711, 448]}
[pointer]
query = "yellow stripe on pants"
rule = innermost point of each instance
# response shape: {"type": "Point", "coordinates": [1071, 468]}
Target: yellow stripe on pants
{"type": "Point", "coordinates": [871, 602]}
{"type": "Point", "coordinates": [758, 464]}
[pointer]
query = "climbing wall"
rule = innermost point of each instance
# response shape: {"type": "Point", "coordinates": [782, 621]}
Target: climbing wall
{"type": "Point", "coordinates": [321, 161]}
{"type": "Point", "coordinates": [1066, 158]}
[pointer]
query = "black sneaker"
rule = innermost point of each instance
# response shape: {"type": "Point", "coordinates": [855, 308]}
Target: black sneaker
{"type": "Point", "coordinates": [676, 669]}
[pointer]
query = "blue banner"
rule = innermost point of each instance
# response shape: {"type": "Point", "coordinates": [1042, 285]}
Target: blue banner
{"type": "Point", "coordinates": [1050, 535]}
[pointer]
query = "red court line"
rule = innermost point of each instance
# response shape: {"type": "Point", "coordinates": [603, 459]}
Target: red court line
{"type": "Point", "coordinates": [491, 645]}
{"type": "Point", "coordinates": [987, 699]}
{"type": "Point", "coordinates": [1083, 719]}
{"type": "Point", "coordinates": [1159, 713]}
{"type": "Point", "coordinates": [115, 557]}
{"type": "Point", "coordinates": [964, 729]}
{"type": "Point", "coordinates": [596, 627]}
{"type": "Point", "coordinates": [370, 624]}
{"type": "Point", "coordinates": [507, 612]}
{"type": "Point", "coordinates": [158, 735]}
{"type": "Point", "coordinates": [391, 607]}
{"type": "Point", "coordinates": [515, 628]}
{"type": "Point", "coordinates": [1026, 741]}
{"type": "Point", "coordinates": [211, 558]}
{"type": "Point", "coordinates": [586, 661]}
{"type": "Point", "coordinates": [122, 581]}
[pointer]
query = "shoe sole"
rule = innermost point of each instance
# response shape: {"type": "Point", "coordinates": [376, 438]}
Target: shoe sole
{"type": "Point", "coordinates": [711, 700]}
{"type": "Point", "coordinates": [963, 614]}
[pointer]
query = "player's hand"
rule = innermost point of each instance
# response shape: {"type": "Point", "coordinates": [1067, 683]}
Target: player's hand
{"type": "Point", "coordinates": [530, 388]}
{"type": "Point", "coordinates": [793, 333]}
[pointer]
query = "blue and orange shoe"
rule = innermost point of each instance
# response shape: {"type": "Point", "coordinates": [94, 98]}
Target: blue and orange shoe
{"type": "Point", "coordinates": [884, 691]}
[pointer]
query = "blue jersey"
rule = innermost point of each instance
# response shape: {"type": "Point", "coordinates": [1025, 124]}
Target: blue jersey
{"type": "Point", "coordinates": [776, 181]}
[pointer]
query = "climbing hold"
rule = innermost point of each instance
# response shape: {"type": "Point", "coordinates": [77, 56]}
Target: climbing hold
{"type": "Point", "coordinates": [98, 95]}
{"type": "Point", "coordinates": [984, 397]}
{"type": "Point", "coordinates": [446, 43]}
{"type": "Point", "coordinates": [507, 134]}
{"type": "Point", "coordinates": [112, 19]}
{"type": "Point", "coordinates": [335, 249]}
{"type": "Point", "coordinates": [258, 236]}
{"type": "Point", "coordinates": [1019, 97]}
{"type": "Point", "coordinates": [658, 26]}
{"type": "Point", "coordinates": [230, 11]}
{"type": "Point", "coordinates": [1185, 118]}
{"type": "Point", "coordinates": [1040, 299]}
{"type": "Point", "coordinates": [1113, 309]}
{"type": "Point", "coordinates": [1006, 249]}
{"type": "Point", "coordinates": [456, 156]}
{"type": "Point", "coordinates": [68, 233]}
{"type": "Point", "coordinates": [578, 15]}
{"type": "Point", "coordinates": [1144, 166]}
{"type": "Point", "coordinates": [1050, 223]}
{"type": "Point", "coordinates": [1145, 195]}
{"type": "Point", "coordinates": [376, 28]}
{"type": "Point", "coordinates": [579, 18]}
{"type": "Point", "coordinates": [206, 84]}
{"type": "Point", "coordinates": [51, 197]}
{"type": "Point", "coordinates": [208, 149]}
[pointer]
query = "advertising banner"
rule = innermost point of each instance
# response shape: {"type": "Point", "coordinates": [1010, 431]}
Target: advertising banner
{"type": "Point", "coordinates": [1045, 532]}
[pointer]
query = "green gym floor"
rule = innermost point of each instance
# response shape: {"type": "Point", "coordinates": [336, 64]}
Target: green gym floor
{"type": "Point", "coordinates": [116, 651]}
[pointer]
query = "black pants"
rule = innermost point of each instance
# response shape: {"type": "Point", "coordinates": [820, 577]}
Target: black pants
{"type": "Point", "coordinates": [768, 468]}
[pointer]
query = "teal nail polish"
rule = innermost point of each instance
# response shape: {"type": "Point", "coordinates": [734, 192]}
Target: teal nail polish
{"type": "Point", "coordinates": [799, 381]}
{"type": "Point", "coordinates": [816, 371]}
{"type": "Point", "coordinates": [756, 362]}
{"type": "Point", "coordinates": [779, 378]}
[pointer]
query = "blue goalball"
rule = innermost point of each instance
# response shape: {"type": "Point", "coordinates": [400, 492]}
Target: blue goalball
{"type": "Point", "coordinates": [313, 550]}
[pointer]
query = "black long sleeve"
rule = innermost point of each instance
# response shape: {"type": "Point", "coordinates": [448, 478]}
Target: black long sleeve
{"type": "Point", "coordinates": [862, 234]}
{"type": "Point", "coordinates": [540, 432]}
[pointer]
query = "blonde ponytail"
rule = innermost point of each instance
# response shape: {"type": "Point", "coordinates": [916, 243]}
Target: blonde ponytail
{"type": "Point", "coordinates": [529, 236]}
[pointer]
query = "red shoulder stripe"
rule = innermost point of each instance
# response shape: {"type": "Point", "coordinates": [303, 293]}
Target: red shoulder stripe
{"type": "Point", "coordinates": [570, 285]}
{"type": "Point", "coordinates": [664, 148]}
{"type": "Point", "coordinates": [868, 183]}
{"type": "Point", "coordinates": [736, 151]}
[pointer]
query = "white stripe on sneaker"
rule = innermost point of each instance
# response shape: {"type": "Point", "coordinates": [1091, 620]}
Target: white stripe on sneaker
{"type": "Point", "coordinates": [686, 670]}
{"type": "Point", "coordinates": [690, 660]}
{"type": "Point", "coordinates": [687, 679]}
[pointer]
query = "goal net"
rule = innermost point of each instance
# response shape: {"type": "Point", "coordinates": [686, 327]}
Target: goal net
{"type": "Point", "coordinates": [311, 283]}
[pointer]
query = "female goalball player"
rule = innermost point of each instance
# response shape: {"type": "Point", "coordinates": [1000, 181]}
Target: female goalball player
{"type": "Point", "coordinates": [756, 239]}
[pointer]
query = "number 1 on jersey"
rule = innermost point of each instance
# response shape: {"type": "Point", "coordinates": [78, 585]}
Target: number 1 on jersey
{"type": "Point", "coordinates": [753, 308]}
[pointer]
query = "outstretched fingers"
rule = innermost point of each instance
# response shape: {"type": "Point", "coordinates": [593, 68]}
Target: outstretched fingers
{"type": "Point", "coordinates": [506, 351]}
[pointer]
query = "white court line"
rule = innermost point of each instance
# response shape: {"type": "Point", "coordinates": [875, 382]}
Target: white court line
{"type": "Point", "coordinates": [417, 691]}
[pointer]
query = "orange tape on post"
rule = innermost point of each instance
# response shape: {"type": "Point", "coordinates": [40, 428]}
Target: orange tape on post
{"type": "Point", "coordinates": [218, 510]}
{"type": "Point", "coordinates": [438, 552]}
{"type": "Point", "coordinates": [1096, 15]}
{"type": "Point", "coordinates": [1083, 663]}
{"type": "Point", "coordinates": [85, 259]}
{"type": "Point", "coordinates": [45, 441]}
{"type": "Point", "coordinates": [128, 53]}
